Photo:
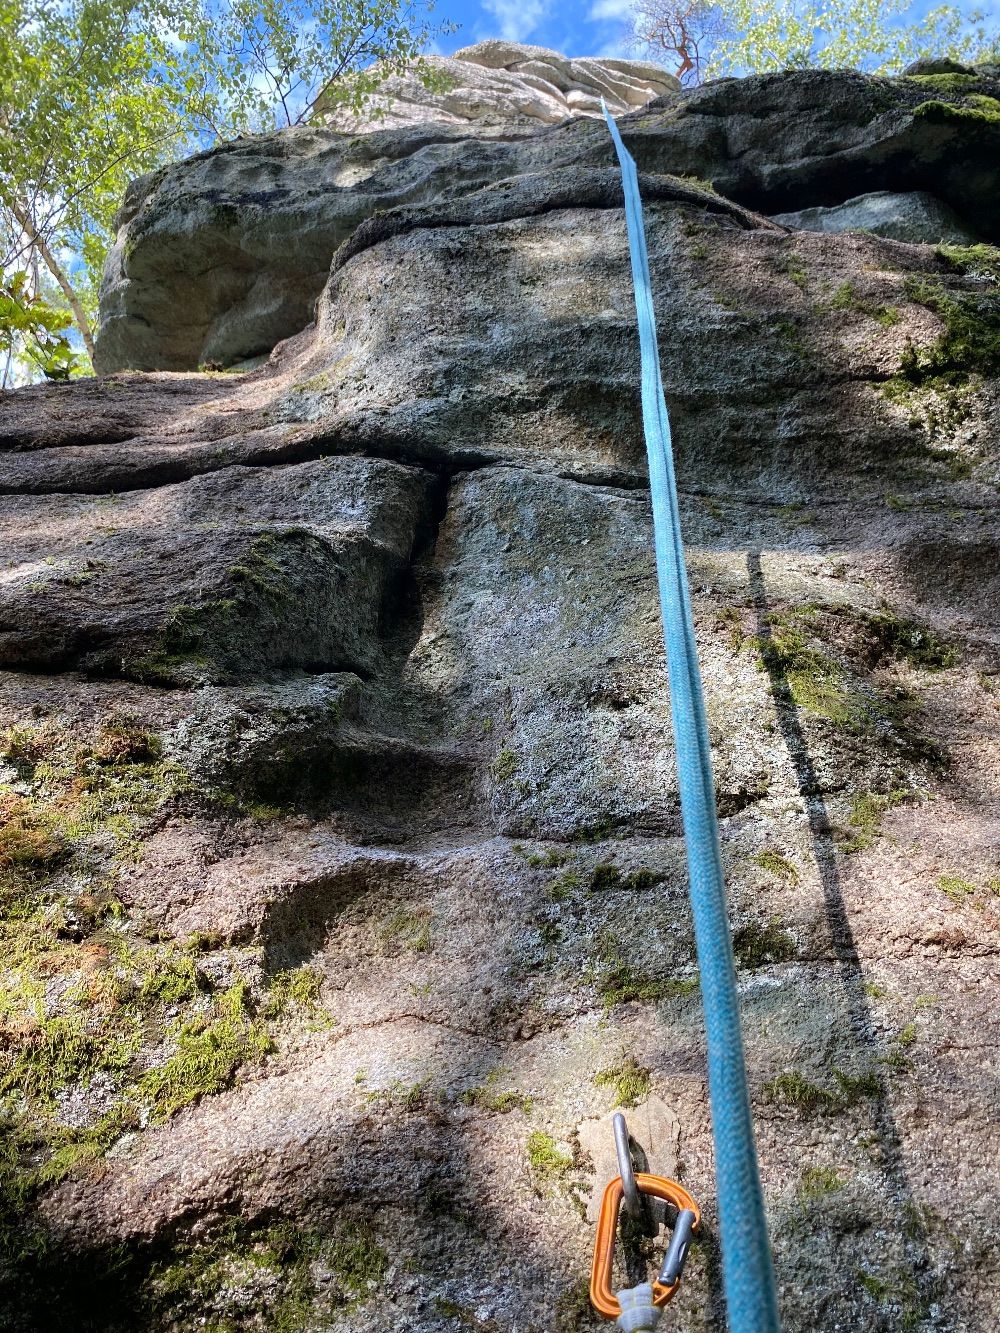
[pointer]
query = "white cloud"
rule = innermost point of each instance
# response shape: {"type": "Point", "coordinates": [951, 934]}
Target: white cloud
{"type": "Point", "coordinates": [621, 49]}
{"type": "Point", "coordinates": [610, 29]}
{"type": "Point", "coordinates": [518, 18]}
{"type": "Point", "coordinates": [603, 10]}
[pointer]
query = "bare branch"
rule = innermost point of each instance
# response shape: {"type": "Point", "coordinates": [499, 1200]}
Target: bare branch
{"type": "Point", "coordinates": [685, 30]}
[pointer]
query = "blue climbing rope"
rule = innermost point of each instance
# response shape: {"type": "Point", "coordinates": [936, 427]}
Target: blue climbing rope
{"type": "Point", "coordinates": [746, 1254]}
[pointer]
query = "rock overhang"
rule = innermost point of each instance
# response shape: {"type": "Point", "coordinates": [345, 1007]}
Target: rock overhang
{"type": "Point", "coordinates": [220, 258]}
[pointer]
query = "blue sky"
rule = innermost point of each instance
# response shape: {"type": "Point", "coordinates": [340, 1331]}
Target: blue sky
{"type": "Point", "coordinates": [574, 28]}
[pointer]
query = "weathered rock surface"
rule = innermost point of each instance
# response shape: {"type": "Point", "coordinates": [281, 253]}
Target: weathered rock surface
{"type": "Point", "coordinates": [916, 217]}
{"type": "Point", "coordinates": [503, 85]}
{"type": "Point", "coordinates": [346, 870]}
{"type": "Point", "coordinates": [220, 257]}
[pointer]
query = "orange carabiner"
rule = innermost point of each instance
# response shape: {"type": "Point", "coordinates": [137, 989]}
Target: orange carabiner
{"type": "Point", "coordinates": [602, 1298]}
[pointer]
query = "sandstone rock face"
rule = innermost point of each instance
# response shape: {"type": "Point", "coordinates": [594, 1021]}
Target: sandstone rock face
{"type": "Point", "coordinates": [220, 257]}
{"type": "Point", "coordinates": [498, 85]}
{"type": "Point", "coordinates": [916, 217]}
{"type": "Point", "coordinates": [342, 868]}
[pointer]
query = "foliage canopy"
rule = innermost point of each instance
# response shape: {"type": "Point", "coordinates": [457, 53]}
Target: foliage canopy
{"type": "Point", "coordinates": [734, 37]}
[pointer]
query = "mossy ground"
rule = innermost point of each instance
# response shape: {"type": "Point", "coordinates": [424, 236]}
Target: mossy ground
{"type": "Point", "coordinates": [97, 1012]}
{"type": "Point", "coordinates": [280, 1275]}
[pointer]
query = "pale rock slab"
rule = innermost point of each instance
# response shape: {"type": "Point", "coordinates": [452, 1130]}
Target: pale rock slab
{"type": "Point", "coordinates": [655, 1129]}
{"type": "Point", "coordinates": [503, 83]}
{"type": "Point", "coordinates": [915, 217]}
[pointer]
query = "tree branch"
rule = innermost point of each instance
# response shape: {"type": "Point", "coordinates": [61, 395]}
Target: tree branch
{"type": "Point", "coordinates": [55, 268]}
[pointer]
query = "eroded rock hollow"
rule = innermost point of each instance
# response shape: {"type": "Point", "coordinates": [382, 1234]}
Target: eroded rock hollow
{"type": "Point", "coordinates": [343, 882]}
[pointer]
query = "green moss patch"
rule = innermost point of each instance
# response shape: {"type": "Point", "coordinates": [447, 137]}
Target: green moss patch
{"type": "Point", "coordinates": [979, 261]}
{"type": "Point", "coordinates": [618, 981]}
{"type": "Point", "coordinates": [407, 1097]}
{"type": "Point", "coordinates": [792, 265]}
{"type": "Point", "coordinates": [974, 110]}
{"type": "Point", "coordinates": [632, 1082]}
{"type": "Point", "coordinates": [865, 818]}
{"type": "Point", "coordinates": [279, 1275]}
{"type": "Point", "coordinates": [816, 657]}
{"type": "Point", "coordinates": [938, 409]}
{"type": "Point", "coordinates": [548, 1164]}
{"type": "Point", "coordinates": [755, 945]}
{"type": "Point", "coordinates": [208, 1050]}
{"type": "Point", "coordinates": [804, 1095]}
{"type": "Point", "coordinates": [76, 789]}
{"type": "Point", "coordinates": [505, 765]}
{"type": "Point", "coordinates": [818, 1182]}
{"type": "Point", "coordinates": [487, 1096]}
{"type": "Point", "coordinates": [937, 382]}
{"type": "Point", "coordinates": [407, 929]}
{"type": "Point", "coordinates": [814, 681]}
{"type": "Point", "coordinates": [846, 298]}
{"type": "Point", "coordinates": [297, 992]}
{"type": "Point", "coordinates": [573, 1310]}
{"type": "Point", "coordinates": [777, 865]}
{"type": "Point", "coordinates": [970, 342]}
{"type": "Point", "coordinates": [606, 876]}
{"type": "Point", "coordinates": [562, 889]}
{"type": "Point", "coordinates": [956, 888]}
{"type": "Point", "coordinates": [203, 641]}
{"type": "Point", "coordinates": [955, 84]}
{"type": "Point", "coordinates": [550, 859]}
{"type": "Point", "coordinates": [906, 640]}
{"type": "Point", "coordinates": [95, 1010]}
{"type": "Point", "coordinates": [697, 183]}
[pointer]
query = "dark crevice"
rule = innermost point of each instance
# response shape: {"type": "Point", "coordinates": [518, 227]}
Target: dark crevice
{"type": "Point", "coordinates": [441, 463]}
{"type": "Point", "coordinates": [167, 474]}
{"type": "Point", "coordinates": [531, 195]}
{"type": "Point", "coordinates": [21, 443]}
{"type": "Point", "coordinates": [832, 182]}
